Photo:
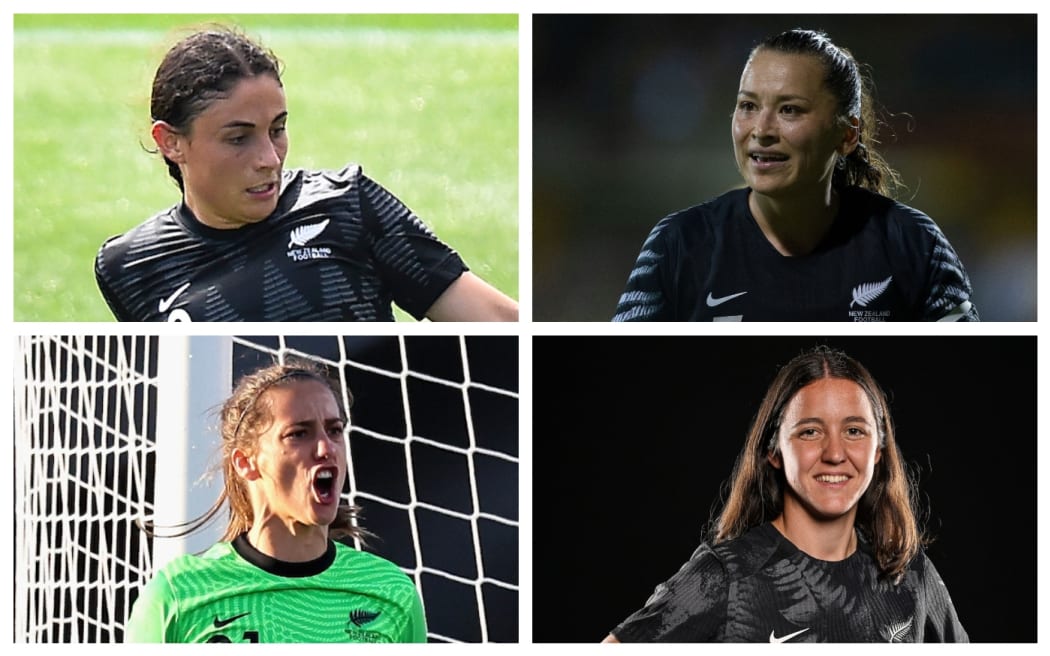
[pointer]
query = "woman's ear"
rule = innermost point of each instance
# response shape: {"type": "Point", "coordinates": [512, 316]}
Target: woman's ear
{"type": "Point", "coordinates": [851, 137]}
{"type": "Point", "coordinates": [244, 464]}
{"type": "Point", "coordinates": [773, 453]}
{"type": "Point", "coordinates": [169, 141]}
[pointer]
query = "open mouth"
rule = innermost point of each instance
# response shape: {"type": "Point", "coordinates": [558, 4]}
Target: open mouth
{"type": "Point", "coordinates": [263, 188]}
{"type": "Point", "coordinates": [767, 158]}
{"type": "Point", "coordinates": [324, 485]}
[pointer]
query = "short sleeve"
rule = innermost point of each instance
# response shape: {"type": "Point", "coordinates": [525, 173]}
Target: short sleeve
{"type": "Point", "coordinates": [948, 290]}
{"type": "Point", "coordinates": [644, 298]}
{"type": "Point", "coordinates": [688, 607]}
{"type": "Point", "coordinates": [415, 265]}
{"type": "Point", "coordinates": [120, 313]}
{"type": "Point", "coordinates": [416, 631]}
{"type": "Point", "coordinates": [152, 614]}
{"type": "Point", "coordinates": [942, 622]}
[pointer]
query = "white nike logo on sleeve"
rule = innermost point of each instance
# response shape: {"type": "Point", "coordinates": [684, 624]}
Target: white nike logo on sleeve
{"type": "Point", "coordinates": [165, 303]}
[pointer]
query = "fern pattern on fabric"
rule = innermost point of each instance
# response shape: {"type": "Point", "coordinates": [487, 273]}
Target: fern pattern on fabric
{"type": "Point", "coordinates": [868, 292]}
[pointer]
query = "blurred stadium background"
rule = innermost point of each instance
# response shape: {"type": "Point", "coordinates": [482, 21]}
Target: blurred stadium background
{"type": "Point", "coordinates": [631, 121]}
{"type": "Point", "coordinates": [428, 104]}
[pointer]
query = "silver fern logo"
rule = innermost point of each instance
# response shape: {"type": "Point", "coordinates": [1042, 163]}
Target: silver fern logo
{"type": "Point", "coordinates": [867, 292]}
{"type": "Point", "coordinates": [303, 234]}
{"type": "Point", "coordinates": [298, 251]}
{"type": "Point", "coordinates": [900, 631]}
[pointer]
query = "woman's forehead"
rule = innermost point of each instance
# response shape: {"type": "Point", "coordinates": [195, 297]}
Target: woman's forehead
{"type": "Point", "coordinates": [830, 394]}
{"type": "Point", "coordinates": [258, 100]}
{"type": "Point", "coordinates": [302, 393]}
{"type": "Point", "coordinates": [769, 70]}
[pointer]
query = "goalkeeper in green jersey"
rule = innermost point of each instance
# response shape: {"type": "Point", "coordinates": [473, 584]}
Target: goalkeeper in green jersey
{"type": "Point", "coordinates": [277, 575]}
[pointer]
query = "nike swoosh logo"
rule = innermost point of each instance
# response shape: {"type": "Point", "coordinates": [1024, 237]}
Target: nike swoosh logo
{"type": "Point", "coordinates": [221, 623]}
{"type": "Point", "coordinates": [712, 301]}
{"type": "Point", "coordinates": [165, 303]}
{"type": "Point", "coordinates": [774, 638]}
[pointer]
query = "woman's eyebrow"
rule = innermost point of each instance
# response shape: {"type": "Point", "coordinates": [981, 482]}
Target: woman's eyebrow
{"type": "Point", "coordinates": [236, 123]}
{"type": "Point", "coordinates": [781, 98]}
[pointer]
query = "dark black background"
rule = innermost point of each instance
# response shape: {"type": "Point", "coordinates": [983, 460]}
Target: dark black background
{"type": "Point", "coordinates": [633, 436]}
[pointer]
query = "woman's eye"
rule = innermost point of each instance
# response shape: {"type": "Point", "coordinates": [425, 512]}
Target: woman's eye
{"type": "Point", "coordinates": [236, 141]}
{"type": "Point", "coordinates": [745, 106]}
{"type": "Point", "coordinates": [809, 434]}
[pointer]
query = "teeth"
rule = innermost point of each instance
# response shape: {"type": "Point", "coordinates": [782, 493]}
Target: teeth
{"type": "Point", "coordinates": [327, 473]}
{"type": "Point", "coordinates": [260, 187]}
{"type": "Point", "coordinates": [833, 479]}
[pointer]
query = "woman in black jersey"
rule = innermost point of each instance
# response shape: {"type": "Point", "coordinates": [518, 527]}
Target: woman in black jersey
{"type": "Point", "coordinates": [817, 540]}
{"type": "Point", "coordinates": [251, 241]}
{"type": "Point", "coordinates": [814, 235]}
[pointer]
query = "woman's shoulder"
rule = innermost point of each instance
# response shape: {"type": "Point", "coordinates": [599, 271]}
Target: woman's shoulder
{"type": "Point", "coordinates": [921, 565]}
{"type": "Point", "coordinates": [749, 552]}
{"type": "Point", "coordinates": [323, 178]}
{"type": "Point", "coordinates": [866, 204]}
{"type": "Point", "coordinates": [156, 226]}
{"type": "Point", "coordinates": [301, 187]}
{"type": "Point", "coordinates": [709, 215]}
{"type": "Point", "coordinates": [345, 555]}
{"type": "Point", "coordinates": [204, 564]}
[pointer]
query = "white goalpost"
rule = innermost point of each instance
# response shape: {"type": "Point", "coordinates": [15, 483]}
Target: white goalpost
{"type": "Point", "coordinates": [117, 430]}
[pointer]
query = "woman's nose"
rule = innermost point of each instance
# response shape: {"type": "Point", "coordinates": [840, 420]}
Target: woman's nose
{"type": "Point", "coordinates": [325, 447]}
{"type": "Point", "coordinates": [269, 158]}
{"type": "Point", "coordinates": [834, 450]}
{"type": "Point", "coordinates": [764, 125]}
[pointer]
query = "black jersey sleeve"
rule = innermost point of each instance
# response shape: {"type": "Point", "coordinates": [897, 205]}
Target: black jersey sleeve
{"type": "Point", "coordinates": [416, 265]}
{"type": "Point", "coordinates": [942, 623]}
{"type": "Point", "coordinates": [645, 297]}
{"type": "Point", "coordinates": [120, 313]}
{"type": "Point", "coordinates": [688, 607]}
{"type": "Point", "coordinates": [948, 289]}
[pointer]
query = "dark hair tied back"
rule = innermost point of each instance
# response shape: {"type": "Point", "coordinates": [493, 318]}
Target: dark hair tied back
{"type": "Point", "coordinates": [200, 69]}
{"type": "Point", "coordinates": [864, 167]}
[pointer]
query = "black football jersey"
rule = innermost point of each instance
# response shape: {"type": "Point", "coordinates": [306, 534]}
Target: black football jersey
{"type": "Point", "coordinates": [881, 261]}
{"type": "Point", "coordinates": [338, 247]}
{"type": "Point", "coordinates": [761, 588]}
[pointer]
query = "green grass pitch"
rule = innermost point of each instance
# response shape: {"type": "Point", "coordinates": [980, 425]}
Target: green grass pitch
{"type": "Point", "coordinates": [427, 104]}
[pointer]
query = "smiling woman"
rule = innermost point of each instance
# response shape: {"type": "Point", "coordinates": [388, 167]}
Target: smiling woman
{"type": "Point", "coordinates": [814, 235]}
{"type": "Point", "coordinates": [252, 241]}
{"type": "Point", "coordinates": [277, 574]}
{"type": "Point", "coordinates": [817, 540]}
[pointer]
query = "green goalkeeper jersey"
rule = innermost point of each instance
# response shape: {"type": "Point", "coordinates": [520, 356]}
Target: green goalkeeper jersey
{"type": "Point", "coordinates": [234, 593]}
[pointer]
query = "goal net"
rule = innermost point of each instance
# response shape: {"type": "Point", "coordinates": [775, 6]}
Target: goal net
{"type": "Point", "coordinates": [433, 455]}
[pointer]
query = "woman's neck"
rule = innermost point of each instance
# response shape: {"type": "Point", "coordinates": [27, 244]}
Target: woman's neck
{"type": "Point", "coordinates": [295, 543]}
{"type": "Point", "coordinates": [796, 225]}
{"type": "Point", "coordinates": [831, 540]}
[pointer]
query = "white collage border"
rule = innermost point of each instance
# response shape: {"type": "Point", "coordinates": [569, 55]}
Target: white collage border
{"type": "Point", "coordinates": [526, 329]}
